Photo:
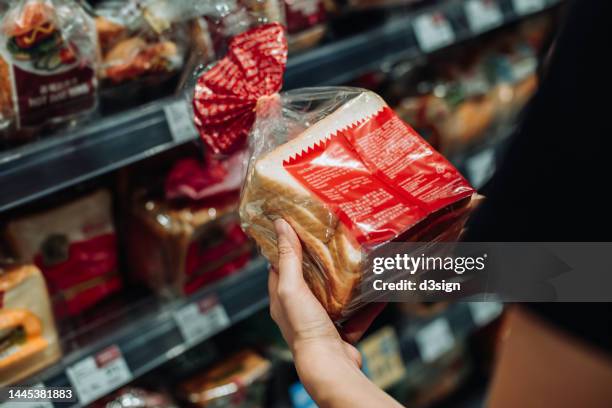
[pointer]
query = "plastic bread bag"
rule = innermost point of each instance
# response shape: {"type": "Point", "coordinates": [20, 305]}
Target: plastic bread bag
{"type": "Point", "coordinates": [28, 337]}
{"type": "Point", "coordinates": [47, 64]}
{"type": "Point", "coordinates": [306, 23]}
{"type": "Point", "coordinates": [239, 381]}
{"type": "Point", "coordinates": [144, 45]}
{"type": "Point", "coordinates": [336, 163]}
{"type": "Point", "coordinates": [74, 245]}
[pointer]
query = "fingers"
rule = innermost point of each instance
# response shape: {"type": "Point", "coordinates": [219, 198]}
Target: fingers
{"type": "Point", "coordinates": [289, 258]}
{"type": "Point", "coordinates": [358, 324]}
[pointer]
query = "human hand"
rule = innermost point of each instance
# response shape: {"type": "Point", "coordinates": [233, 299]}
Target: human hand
{"type": "Point", "coordinates": [314, 340]}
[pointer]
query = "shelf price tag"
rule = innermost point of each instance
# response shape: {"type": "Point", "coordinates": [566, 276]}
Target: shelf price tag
{"type": "Point", "coordinates": [433, 31]}
{"type": "Point", "coordinates": [523, 7]}
{"type": "Point", "coordinates": [484, 312]}
{"type": "Point", "coordinates": [434, 339]}
{"type": "Point", "coordinates": [483, 15]}
{"type": "Point", "coordinates": [202, 319]}
{"type": "Point", "coordinates": [180, 122]}
{"type": "Point", "coordinates": [98, 375]}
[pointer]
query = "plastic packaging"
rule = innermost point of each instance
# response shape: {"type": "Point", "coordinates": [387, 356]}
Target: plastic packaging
{"type": "Point", "coordinates": [143, 47]}
{"type": "Point", "coordinates": [176, 247]}
{"type": "Point", "coordinates": [306, 23]}
{"type": "Point", "coordinates": [28, 338]}
{"type": "Point", "coordinates": [237, 382]}
{"type": "Point", "coordinates": [74, 245]}
{"type": "Point", "coordinates": [48, 61]}
{"type": "Point", "coordinates": [336, 163]}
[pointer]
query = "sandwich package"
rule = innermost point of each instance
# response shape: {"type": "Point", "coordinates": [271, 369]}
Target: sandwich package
{"type": "Point", "coordinates": [336, 163]}
{"type": "Point", "coordinates": [190, 235]}
{"type": "Point", "coordinates": [143, 46]}
{"type": "Point", "coordinates": [74, 245]}
{"type": "Point", "coordinates": [236, 382]}
{"type": "Point", "coordinates": [48, 61]}
{"type": "Point", "coordinates": [28, 338]}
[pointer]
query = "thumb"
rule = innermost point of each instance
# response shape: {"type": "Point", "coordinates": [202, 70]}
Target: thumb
{"type": "Point", "coordinates": [289, 257]}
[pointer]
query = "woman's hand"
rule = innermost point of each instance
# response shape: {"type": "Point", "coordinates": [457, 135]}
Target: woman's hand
{"type": "Point", "coordinates": [324, 358]}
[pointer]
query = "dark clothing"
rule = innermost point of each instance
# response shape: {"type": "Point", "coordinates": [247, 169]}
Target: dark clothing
{"type": "Point", "coordinates": [554, 181]}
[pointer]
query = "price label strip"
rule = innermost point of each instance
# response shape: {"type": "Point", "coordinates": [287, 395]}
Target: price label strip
{"type": "Point", "coordinates": [484, 312]}
{"type": "Point", "coordinates": [483, 15]}
{"type": "Point", "coordinates": [523, 7]}
{"type": "Point", "coordinates": [202, 319]}
{"type": "Point", "coordinates": [98, 375]}
{"type": "Point", "coordinates": [434, 340]}
{"type": "Point", "coordinates": [433, 31]}
{"type": "Point", "coordinates": [180, 121]}
{"type": "Point", "coordinates": [382, 360]}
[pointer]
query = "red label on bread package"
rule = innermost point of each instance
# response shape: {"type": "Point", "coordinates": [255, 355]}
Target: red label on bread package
{"type": "Point", "coordinates": [303, 14]}
{"type": "Point", "coordinates": [379, 177]}
{"type": "Point", "coordinates": [82, 273]}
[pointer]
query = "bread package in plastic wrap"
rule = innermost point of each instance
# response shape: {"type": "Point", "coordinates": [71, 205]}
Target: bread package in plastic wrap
{"type": "Point", "coordinates": [236, 382]}
{"type": "Point", "coordinates": [336, 163]}
{"type": "Point", "coordinates": [144, 44]}
{"type": "Point", "coordinates": [48, 61]}
{"type": "Point", "coordinates": [306, 23]}
{"type": "Point", "coordinates": [28, 338]}
{"type": "Point", "coordinates": [190, 236]}
{"type": "Point", "coordinates": [74, 245]}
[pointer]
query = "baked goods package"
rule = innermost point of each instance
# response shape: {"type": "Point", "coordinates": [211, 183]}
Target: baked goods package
{"type": "Point", "coordinates": [189, 235]}
{"type": "Point", "coordinates": [28, 338]}
{"type": "Point", "coordinates": [236, 382]}
{"type": "Point", "coordinates": [336, 163]}
{"type": "Point", "coordinates": [47, 65]}
{"type": "Point", "coordinates": [143, 47]}
{"type": "Point", "coordinates": [306, 23]}
{"type": "Point", "coordinates": [74, 245]}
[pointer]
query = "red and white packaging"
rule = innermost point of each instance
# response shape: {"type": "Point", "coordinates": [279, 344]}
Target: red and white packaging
{"type": "Point", "coordinates": [191, 236]}
{"type": "Point", "coordinates": [75, 247]}
{"type": "Point", "coordinates": [336, 163]}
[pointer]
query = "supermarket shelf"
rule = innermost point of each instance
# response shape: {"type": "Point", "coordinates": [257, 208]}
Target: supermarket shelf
{"type": "Point", "coordinates": [107, 144]}
{"type": "Point", "coordinates": [149, 340]}
{"type": "Point", "coordinates": [425, 342]}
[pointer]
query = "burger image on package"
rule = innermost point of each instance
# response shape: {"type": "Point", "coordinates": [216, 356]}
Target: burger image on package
{"type": "Point", "coordinates": [34, 36]}
{"type": "Point", "coordinates": [337, 164]}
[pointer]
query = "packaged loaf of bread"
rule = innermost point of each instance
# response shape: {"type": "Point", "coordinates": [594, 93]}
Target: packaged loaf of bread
{"type": "Point", "coordinates": [190, 235]}
{"type": "Point", "coordinates": [74, 245]}
{"type": "Point", "coordinates": [236, 382]}
{"type": "Point", "coordinates": [28, 338]}
{"type": "Point", "coordinates": [306, 23]}
{"type": "Point", "coordinates": [336, 163]}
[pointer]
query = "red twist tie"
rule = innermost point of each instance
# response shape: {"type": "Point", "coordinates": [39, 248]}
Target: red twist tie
{"type": "Point", "coordinates": [226, 95]}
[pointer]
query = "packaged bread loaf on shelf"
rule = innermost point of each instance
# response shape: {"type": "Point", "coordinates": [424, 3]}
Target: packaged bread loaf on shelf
{"type": "Point", "coordinates": [28, 338]}
{"type": "Point", "coordinates": [236, 382]}
{"type": "Point", "coordinates": [48, 61]}
{"type": "Point", "coordinates": [189, 236]}
{"type": "Point", "coordinates": [336, 163]}
{"type": "Point", "coordinates": [306, 23]}
{"type": "Point", "coordinates": [74, 245]}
